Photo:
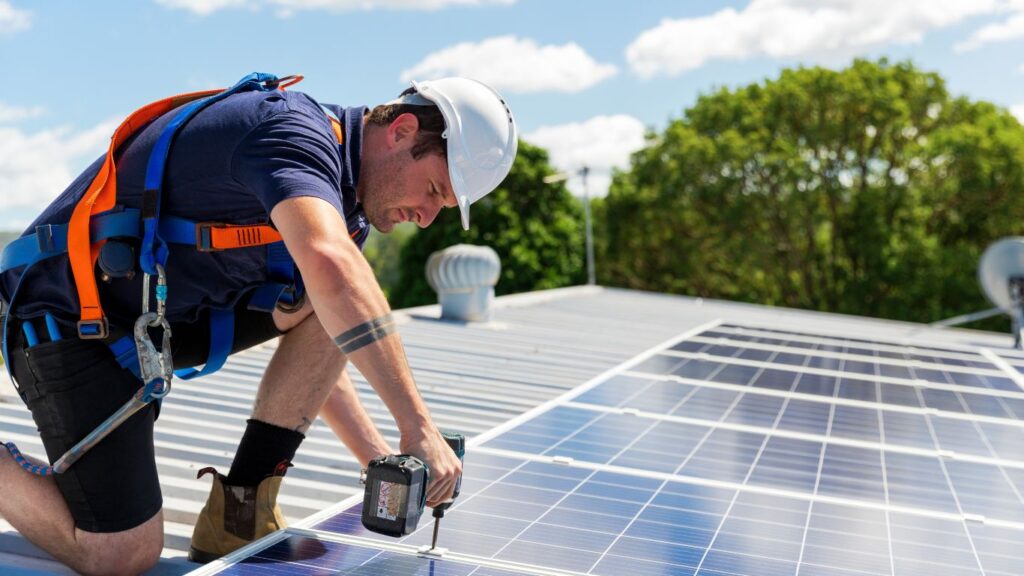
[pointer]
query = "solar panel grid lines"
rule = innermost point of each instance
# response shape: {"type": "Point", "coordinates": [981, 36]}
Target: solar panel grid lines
{"type": "Point", "coordinates": [779, 433]}
{"type": "Point", "coordinates": [750, 472]}
{"type": "Point", "coordinates": [1011, 371]}
{"type": "Point", "coordinates": [700, 343]}
{"type": "Point", "coordinates": [1005, 420]}
{"type": "Point", "coordinates": [980, 384]}
{"type": "Point", "coordinates": [782, 455]}
{"type": "Point", "coordinates": [939, 395]}
{"type": "Point", "coordinates": [904, 344]}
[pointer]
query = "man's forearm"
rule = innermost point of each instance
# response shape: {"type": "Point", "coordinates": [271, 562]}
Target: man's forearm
{"type": "Point", "coordinates": [347, 417]}
{"type": "Point", "coordinates": [346, 297]}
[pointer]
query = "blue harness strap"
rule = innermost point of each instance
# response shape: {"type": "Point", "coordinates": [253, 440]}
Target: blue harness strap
{"type": "Point", "coordinates": [154, 249]}
{"type": "Point", "coordinates": [156, 232]}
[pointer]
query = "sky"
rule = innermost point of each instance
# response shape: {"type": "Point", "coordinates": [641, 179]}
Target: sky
{"type": "Point", "coordinates": [584, 79]}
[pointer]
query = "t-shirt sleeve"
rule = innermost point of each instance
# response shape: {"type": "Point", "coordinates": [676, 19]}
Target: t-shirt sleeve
{"type": "Point", "coordinates": [292, 153]}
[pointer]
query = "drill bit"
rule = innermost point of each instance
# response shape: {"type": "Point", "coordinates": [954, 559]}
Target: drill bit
{"type": "Point", "coordinates": [438, 514]}
{"type": "Point", "coordinates": [437, 524]}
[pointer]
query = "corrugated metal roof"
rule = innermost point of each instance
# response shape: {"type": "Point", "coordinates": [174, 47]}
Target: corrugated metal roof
{"type": "Point", "coordinates": [473, 376]}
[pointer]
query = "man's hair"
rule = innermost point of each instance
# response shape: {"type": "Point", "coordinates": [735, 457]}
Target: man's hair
{"type": "Point", "coordinates": [428, 139]}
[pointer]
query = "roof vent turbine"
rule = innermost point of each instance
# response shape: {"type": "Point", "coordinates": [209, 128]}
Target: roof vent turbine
{"type": "Point", "coordinates": [464, 277]}
{"type": "Point", "coordinates": [1001, 274]}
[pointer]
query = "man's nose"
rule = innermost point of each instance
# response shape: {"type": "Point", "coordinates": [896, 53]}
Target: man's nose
{"type": "Point", "coordinates": [427, 214]}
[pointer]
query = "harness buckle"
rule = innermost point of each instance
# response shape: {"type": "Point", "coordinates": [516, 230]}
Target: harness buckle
{"type": "Point", "coordinates": [204, 236]}
{"type": "Point", "coordinates": [93, 329]}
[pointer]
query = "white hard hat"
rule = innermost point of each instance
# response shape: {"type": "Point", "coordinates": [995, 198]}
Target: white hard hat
{"type": "Point", "coordinates": [481, 134]}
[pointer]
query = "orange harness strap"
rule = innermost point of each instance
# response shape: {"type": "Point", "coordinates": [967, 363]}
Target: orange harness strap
{"type": "Point", "coordinates": [102, 194]}
{"type": "Point", "coordinates": [100, 197]}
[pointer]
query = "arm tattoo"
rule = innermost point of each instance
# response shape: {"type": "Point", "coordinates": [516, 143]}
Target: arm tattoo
{"type": "Point", "coordinates": [306, 423]}
{"type": "Point", "coordinates": [365, 334]}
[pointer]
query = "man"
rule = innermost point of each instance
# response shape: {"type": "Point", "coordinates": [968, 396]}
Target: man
{"type": "Point", "coordinates": [255, 156]}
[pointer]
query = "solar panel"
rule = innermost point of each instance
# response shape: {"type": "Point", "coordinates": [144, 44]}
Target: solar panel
{"type": "Point", "coordinates": [733, 451]}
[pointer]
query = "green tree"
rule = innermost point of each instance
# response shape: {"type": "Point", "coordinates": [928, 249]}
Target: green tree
{"type": "Point", "coordinates": [868, 190]}
{"type": "Point", "coordinates": [383, 252]}
{"type": "Point", "coordinates": [536, 229]}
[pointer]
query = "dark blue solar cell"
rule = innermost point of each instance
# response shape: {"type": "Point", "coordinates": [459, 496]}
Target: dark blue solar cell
{"type": "Point", "coordinates": [998, 548]}
{"type": "Point", "coordinates": [789, 359]}
{"type": "Point", "coordinates": [805, 416]}
{"type": "Point", "coordinates": [660, 364]}
{"type": "Point", "coordinates": [691, 346]}
{"type": "Point", "coordinates": [728, 374]}
{"type": "Point", "coordinates": [1000, 383]}
{"type": "Point", "coordinates": [754, 410]}
{"type": "Point", "coordinates": [707, 403]}
{"type": "Point", "coordinates": [698, 369]}
{"type": "Point", "coordinates": [1014, 406]}
{"type": "Point", "coordinates": [551, 555]}
{"type": "Point", "coordinates": [299, 555]}
{"type": "Point", "coordinates": [824, 363]}
{"type": "Point", "coordinates": [856, 423]}
{"type": "Point", "coordinates": [616, 390]}
{"type": "Point", "coordinates": [613, 565]}
{"type": "Point", "coordinates": [981, 489]}
{"type": "Point", "coordinates": [679, 531]}
{"type": "Point", "coordinates": [816, 384]}
{"type": "Point", "coordinates": [562, 516]}
{"type": "Point", "coordinates": [660, 397]}
{"type": "Point", "coordinates": [858, 367]}
{"type": "Point", "coordinates": [943, 400]}
{"type": "Point", "coordinates": [667, 553]}
{"type": "Point", "coordinates": [579, 501]}
{"type": "Point", "coordinates": [776, 379]}
{"type": "Point", "coordinates": [752, 354]}
{"type": "Point", "coordinates": [894, 371]}
{"type": "Point", "coordinates": [987, 405]}
{"type": "Point", "coordinates": [1005, 439]}
{"type": "Point", "coordinates": [724, 562]}
{"type": "Point", "coordinates": [905, 429]}
{"type": "Point", "coordinates": [960, 436]}
{"type": "Point", "coordinates": [857, 390]}
{"type": "Point", "coordinates": [578, 539]}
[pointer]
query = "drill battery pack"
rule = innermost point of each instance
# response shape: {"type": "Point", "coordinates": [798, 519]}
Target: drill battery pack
{"type": "Point", "coordinates": [396, 492]}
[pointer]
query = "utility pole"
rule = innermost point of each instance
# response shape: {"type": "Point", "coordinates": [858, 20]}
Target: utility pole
{"type": "Point", "coordinates": [582, 173]}
{"type": "Point", "coordinates": [591, 280]}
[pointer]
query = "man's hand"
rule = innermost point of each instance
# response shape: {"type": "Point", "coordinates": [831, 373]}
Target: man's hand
{"type": "Point", "coordinates": [429, 446]}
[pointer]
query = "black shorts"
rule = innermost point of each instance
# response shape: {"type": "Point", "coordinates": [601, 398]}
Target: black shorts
{"type": "Point", "coordinates": [72, 385]}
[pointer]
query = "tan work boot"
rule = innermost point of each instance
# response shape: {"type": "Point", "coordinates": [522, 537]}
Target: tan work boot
{"type": "Point", "coordinates": [235, 515]}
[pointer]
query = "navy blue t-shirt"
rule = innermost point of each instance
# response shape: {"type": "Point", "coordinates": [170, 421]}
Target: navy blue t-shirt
{"type": "Point", "coordinates": [232, 163]}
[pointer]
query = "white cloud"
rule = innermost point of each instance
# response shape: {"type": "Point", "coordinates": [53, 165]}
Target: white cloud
{"type": "Point", "coordinates": [515, 65]}
{"type": "Point", "coordinates": [204, 7]}
{"type": "Point", "coordinates": [10, 114]}
{"type": "Point", "coordinates": [36, 167]}
{"type": "Point", "coordinates": [1010, 29]}
{"type": "Point", "coordinates": [601, 143]}
{"type": "Point", "coordinates": [12, 19]}
{"type": "Point", "coordinates": [1018, 111]}
{"type": "Point", "coordinates": [286, 8]}
{"type": "Point", "coordinates": [809, 29]}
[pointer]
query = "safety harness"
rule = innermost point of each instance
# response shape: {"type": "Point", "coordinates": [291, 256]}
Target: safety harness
{"type": "Point", "coordinates": [96, 219]}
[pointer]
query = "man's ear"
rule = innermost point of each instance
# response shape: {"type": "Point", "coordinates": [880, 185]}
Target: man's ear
{"type": "Point", "coordinates": [402, 129]}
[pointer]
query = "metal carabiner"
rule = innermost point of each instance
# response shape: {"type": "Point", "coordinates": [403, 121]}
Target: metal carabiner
{"type": "Point", "coordinates": [161, 294]}
{"type": "Point", "coordinates": [154, 364]}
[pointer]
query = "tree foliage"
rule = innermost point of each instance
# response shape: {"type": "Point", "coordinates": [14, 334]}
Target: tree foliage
{"type": "Point", "coordinates": [869, 190]}
{"type": "Point", "coordinates": [535, 228]}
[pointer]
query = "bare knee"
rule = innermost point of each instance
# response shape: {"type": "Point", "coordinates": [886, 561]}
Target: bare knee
{"type": "Point", "coordinates": [129, 552]}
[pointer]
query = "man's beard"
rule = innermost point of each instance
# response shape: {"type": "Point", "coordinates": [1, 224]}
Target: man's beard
{"type": "Point", "coordinates": [378, 190]}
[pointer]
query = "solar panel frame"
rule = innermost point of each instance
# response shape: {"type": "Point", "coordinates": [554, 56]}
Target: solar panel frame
{"type": "Point", "coordinates": [950, 520]}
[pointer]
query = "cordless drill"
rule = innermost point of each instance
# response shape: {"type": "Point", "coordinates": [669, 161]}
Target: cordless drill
{"type": "Point", "coordinates": [396, 491]}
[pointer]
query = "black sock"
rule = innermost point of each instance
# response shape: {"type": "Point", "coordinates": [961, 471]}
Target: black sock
{"type": "Point", "coordinates": [262, 449]}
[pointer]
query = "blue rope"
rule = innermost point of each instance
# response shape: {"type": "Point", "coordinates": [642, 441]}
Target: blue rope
{"type": "Point", "coordinates": [20, 459]}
